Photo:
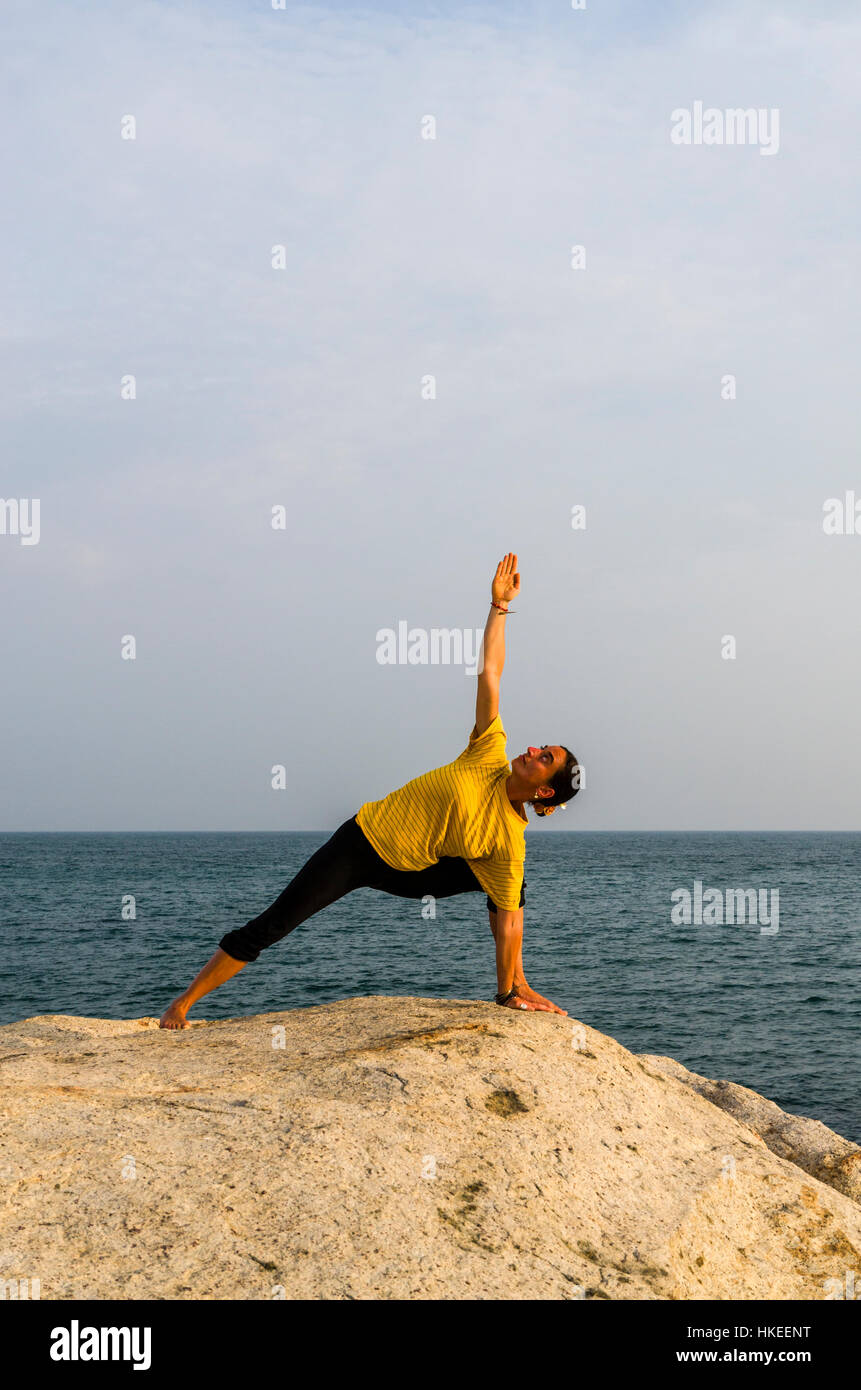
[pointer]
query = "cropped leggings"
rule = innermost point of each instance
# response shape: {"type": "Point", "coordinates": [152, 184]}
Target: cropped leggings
{"type": "Point", "coordinates": [345, 862]}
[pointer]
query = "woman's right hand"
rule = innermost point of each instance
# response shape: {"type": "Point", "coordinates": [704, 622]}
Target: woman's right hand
{"type": "Point", "coordinates": [506, 581]}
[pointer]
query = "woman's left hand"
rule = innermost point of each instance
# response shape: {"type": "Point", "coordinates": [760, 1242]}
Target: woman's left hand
{"type": "Point", "coordinates": [535, 1001]}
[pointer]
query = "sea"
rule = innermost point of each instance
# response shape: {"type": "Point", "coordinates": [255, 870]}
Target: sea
{"type": "Point", "coordinates": [114, 925]}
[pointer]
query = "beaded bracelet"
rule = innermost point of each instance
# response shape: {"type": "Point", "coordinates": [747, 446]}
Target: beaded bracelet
{"type": "Point", "coordinates": [501, 609]}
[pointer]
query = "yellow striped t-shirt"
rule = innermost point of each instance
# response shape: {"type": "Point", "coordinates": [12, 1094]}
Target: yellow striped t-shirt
{"type": "Point", "coordinates": [459, 810]}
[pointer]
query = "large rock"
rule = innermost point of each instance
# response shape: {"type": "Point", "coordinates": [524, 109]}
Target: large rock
{"type": "Point", "coordinates": [809, 1144]}
{"type": "Point", "coordinates": [392, 1148]}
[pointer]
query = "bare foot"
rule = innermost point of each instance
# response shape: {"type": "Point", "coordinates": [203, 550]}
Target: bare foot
{"type": "Point", "coordinates": [174, 1016]}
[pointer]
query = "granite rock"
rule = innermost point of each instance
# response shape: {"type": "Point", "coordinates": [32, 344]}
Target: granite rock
{"type": "Point", "coordinates": [401, 1148]}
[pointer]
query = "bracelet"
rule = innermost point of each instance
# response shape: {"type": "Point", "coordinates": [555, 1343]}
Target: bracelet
{"type": "Point", "coordinates": [504, 998]}
{"type": "Point", "coordinates": [501, 609]}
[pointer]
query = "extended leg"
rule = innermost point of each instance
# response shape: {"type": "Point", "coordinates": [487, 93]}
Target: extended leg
{"type": "Point", "coordinates": [346, 861]}
{"type": "Point", "coordinates": [218, 969]}
{"type": "Point", "coordinates": [444, 879]}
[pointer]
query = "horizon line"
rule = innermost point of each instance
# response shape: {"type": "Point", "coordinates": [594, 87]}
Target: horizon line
{"type": "Point", "coordinates": [547, 831]}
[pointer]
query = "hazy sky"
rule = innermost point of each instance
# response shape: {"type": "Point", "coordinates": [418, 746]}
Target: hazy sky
{"type": "Point", "coordinates": [407, 257]}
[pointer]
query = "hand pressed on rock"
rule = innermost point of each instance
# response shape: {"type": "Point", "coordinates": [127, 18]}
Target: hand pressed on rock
{"type": "Point", "coordinates": [534, 1002]}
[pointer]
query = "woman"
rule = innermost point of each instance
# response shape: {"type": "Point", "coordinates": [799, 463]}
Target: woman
{"type": "Point", "coordinates": [458, 829]}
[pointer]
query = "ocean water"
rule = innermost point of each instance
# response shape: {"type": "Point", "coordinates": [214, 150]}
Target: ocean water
{"type": "Point", "coordinates": [778, 1012]}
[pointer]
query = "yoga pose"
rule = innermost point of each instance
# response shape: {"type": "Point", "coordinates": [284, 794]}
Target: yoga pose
{"type": "Point", "coordinates": [458, 829]}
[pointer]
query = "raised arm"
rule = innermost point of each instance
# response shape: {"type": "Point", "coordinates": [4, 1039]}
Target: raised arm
{"type": "Point", "coordinates": [505, 587]}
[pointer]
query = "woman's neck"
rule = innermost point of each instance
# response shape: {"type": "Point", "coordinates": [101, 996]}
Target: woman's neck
{"type": "Point", "coordinates": [514, 792]}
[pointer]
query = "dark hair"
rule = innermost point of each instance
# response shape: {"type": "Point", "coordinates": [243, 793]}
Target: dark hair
{"type": "Point", "coordinates": [565, 784]}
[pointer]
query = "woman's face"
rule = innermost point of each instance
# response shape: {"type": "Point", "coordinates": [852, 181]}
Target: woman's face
{"type": "Point", "coordinates": [538, 766]}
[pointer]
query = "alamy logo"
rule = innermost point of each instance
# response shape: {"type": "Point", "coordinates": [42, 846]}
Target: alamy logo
{"type": "Point", "coordinates": [76, 1343]}
{"type": "Point", "coordinates": [848, 1287]}
{"type": "Point", "coordinates": [19, 516]}
{"type": "Point", "coordinates": [842, 515]}
{"type": "Point", "coordinates": [20, 1288]}
{"type": "Point", "coordinates": [734, 126]}
{"type": "Point", "coordinates": [441, 646]}
{"type": "Point", "coordinates": [713, 908]}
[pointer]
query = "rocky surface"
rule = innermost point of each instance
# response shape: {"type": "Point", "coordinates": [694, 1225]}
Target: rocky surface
{"type": "Point", "coordinates": [808, 1143]}
{"type": "Point", "coordinates": [403, 1148]}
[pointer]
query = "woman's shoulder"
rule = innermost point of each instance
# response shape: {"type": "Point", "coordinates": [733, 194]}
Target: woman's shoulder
{"type": "Point", "coordinates": [488, 746]}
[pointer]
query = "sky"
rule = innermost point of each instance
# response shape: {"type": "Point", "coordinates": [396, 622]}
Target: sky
{"type": "Point", "coordinates": [304, 384]}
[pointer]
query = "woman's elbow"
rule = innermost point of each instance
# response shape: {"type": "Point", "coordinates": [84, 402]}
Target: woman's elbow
{"type": "Point", "coordinates": [509, 921]}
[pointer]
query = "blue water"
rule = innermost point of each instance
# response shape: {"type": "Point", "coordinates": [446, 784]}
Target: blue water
{"type": "Point", "coordinates": [779, 1013]}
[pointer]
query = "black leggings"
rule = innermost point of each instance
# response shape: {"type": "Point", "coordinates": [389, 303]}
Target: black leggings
{"type": "Point", "coordinates": [347, 861]}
